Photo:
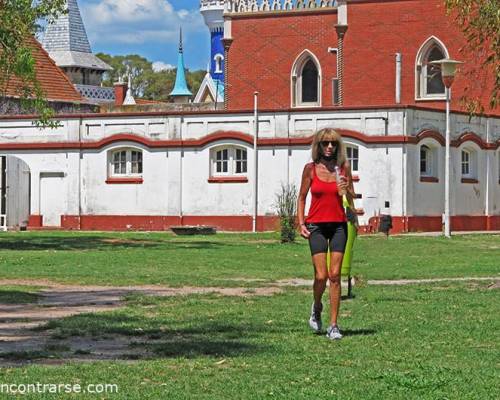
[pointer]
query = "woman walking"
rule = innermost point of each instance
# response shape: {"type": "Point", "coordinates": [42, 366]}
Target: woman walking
{"type": "Point", "coordinates": [327, 177]}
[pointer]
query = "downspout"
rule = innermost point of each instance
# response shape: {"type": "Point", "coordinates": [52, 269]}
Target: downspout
{"type": "Point", "coordinates": [398, 78]}
{"type": "Point", "coordinates": [488, 167]}
{"type": "Point", "coordinates": [255, 161]}
{"type": "Point", "coordinates": [404, 160]}
{"type": "Point", "coordinates": [341, 29]}
{"type": "Point", "coordinates": [80, 154]}
{"type": "Point", "coordinates": [181, 216]}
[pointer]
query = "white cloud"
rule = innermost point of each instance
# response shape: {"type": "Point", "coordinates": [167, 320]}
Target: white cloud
{"type": "Point", "coordinates": [161, 66]}
{"type": "Point", "coordinates": [138, 21]}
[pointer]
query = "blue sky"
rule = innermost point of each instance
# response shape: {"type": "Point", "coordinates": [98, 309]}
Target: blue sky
{"type": "Point", "coordinates": [149, 28]}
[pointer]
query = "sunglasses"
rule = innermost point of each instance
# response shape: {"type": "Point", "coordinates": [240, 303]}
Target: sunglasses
{"type": "Point", "coordinates": [325, 143]}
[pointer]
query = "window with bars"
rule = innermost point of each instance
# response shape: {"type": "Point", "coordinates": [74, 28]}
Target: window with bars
{"type": "Point", "coordinates": [229, 161]}
{"type": "Point", "coordinates": [353, 157]}
{"type": "Point", "coordinates": [466, 163]}
{"type": "Point", "coordinates": [126, 162]}
{"type": "Point", "coordinates": [425, 161]}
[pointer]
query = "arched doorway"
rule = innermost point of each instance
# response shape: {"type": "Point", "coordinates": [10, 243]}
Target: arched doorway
{"type": "Point", "coordinates": [15, 184]}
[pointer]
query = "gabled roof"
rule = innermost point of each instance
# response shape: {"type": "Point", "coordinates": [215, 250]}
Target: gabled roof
{"type": "Point", "coordinates": [214, 89]}
{"type": "Point", "coordinates": [54, 83]}
{"type": "Point", "coordinates": [67, 43]}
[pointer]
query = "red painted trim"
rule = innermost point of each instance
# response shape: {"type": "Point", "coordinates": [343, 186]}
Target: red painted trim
{"type": "Point", "coordinates": [428, 133]}
{"type": "Point", "coordinates": [35, 221]}
{"type": "Point", "coordinates": [227, 179]}
{"type": "Point", "coordinates": [429, 179]}
{"type": "Point", "coordinates": [472, 137]}
{"type": "Point", "coordinates": [355, 178]}
{"type": "Point", "coordinates": [233, 135]}
{"type": "Point", "coordinates": [264, 223]}
{"type": "Point", "coordinates": [130, 180]}
{"type": "Point", "coordinates": [360, 211]}
{"type": "Point", "coordinates": [469, 180]}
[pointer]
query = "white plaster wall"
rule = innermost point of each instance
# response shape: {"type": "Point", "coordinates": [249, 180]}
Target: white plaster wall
{"type": "Point", "coordinates": [148, 198]}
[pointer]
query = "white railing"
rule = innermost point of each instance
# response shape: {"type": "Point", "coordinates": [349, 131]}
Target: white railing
{"type": "Point", "coordinates": [239, 6]}
{"type": "Point", "coordinates": [97, 93]}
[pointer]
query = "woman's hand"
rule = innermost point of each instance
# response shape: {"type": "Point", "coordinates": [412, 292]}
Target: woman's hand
{"type": "Point", "coordinates": [304, 232]}
{"type": "Point", "coordinates": [343, 185]}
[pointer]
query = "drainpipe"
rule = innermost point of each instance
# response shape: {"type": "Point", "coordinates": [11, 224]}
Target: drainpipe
{"type": "Point", "coordinates": [255, 161]}
{"type": "Point", "coordinates": [398, 78]}
{"type": "Point", "coordinates": [181, 120]}
{"type": "Point", "coordinates": [488, 167]}
{"type": "Point", "coordinates": [341, 29]}
{"type": "Point", "coordinates": [80, 154]}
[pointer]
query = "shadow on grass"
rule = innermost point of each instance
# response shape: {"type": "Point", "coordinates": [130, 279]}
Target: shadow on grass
{"type": "Point", "coordinates": [357, 332]}
{"type": "Point", "coordinates": [125, 337]}
{"type": "Point", "coordinates": [10, 296]}
{"type": "Point", "coordinates": [96, 242]}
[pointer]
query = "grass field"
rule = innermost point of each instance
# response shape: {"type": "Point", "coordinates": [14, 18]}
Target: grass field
{"type": "Point", "coordinates": [425, 341]}
{"type": "Point", "coordinates": [222, 259]}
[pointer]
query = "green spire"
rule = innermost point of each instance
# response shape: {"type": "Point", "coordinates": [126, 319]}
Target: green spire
{"type": "Point", "coordinates": [180, 88]}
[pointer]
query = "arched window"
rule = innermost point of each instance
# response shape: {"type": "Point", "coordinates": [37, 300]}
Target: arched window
{"type": "Point", "coordinates": [306, 81]}
{"type": "Point", "coordinates": [425, 161]}
{"type": "Point", "coordinates": [310, 83]}
{"type": "Point", "coordinates": [428, 83]}
{"type": "Point", "coordinates": [353, 157]}
{"type": "Point", "coordinates": [125, 162]}
{"type": "Point", "coordinates": [228, 160]}
{"type": "Point", "coordinates": [218, 63]}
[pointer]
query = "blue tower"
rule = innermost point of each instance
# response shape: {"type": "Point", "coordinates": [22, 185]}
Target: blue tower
{"type": "Point", "coordinates": [212, 11]}
{"type": "Point", "coordinates": [181, 92]}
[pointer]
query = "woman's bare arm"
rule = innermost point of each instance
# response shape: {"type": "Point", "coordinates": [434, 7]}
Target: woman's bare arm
{"type": "Point", "coordinates": [305, 185]}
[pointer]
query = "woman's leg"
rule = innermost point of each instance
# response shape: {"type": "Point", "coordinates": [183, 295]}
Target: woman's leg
{"type": "Point", "coordinates": [335, 290]}
{"type": "Point", "coordinates": [320, 276]}
{"type": "Point", "coordinates": [337, 248]}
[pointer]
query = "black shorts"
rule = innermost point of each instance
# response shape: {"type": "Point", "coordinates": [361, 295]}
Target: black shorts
{"type": "Point", "coordinates": [327, 234]}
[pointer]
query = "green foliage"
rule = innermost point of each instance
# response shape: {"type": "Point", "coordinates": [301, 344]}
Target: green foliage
{"type": "Point", "coordinates": [286, 206]}
{"type": "Point", "coordinates": [146, 83]}
{"type": "Point", "coordinates": [480, 23]}
{"type": "Point", "coordinates": [20, 20]}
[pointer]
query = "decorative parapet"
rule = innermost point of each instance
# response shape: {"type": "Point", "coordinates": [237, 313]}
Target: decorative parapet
{"type": "Point", "coordinates": [97, 94]}
{"type": "Point", "coordinates": [246, 6]}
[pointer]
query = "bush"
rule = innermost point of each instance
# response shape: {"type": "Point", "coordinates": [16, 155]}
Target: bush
{"type": "Point", "coordinates": [286, 206]}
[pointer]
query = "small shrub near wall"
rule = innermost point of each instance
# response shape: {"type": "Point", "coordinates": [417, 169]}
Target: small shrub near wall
{"type": "Point", "coordinates": [286, 207]}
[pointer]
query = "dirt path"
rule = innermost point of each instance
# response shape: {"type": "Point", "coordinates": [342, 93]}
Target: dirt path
{"type": "Point", "coordinates": [21, 342]}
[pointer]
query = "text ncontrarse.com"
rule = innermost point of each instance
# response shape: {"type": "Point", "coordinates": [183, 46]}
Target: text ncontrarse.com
{"type": "Point", "coordinates": [38, 387]}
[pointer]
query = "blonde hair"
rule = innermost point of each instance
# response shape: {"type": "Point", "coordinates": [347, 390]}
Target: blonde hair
{"type": "Point", "coordinates": [328, 134]}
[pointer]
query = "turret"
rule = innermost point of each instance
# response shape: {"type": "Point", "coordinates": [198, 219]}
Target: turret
{"type": "Point", "coordinates": [212, 11]}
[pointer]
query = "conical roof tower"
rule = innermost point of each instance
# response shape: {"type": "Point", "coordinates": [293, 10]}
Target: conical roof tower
{"type": "Point", "coordinates": [181, 92]}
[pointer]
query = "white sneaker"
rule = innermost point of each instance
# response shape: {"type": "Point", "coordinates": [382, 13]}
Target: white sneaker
{"type": "Point", "coordinates": [333, 333]}
{"type": "Point", "coordinates": [315, 319]}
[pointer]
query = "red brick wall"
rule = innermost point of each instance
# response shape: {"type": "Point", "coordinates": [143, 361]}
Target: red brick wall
{"type": "Point", "coordinates": [264, 48]}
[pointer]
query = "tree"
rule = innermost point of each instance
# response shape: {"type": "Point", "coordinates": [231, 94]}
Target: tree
{"type": "Point", "coordinates": [480, 22]}
{"type": "Point", "coordinates": [20, 21]}
{"type": "Point", "coordinates": [147, 83]}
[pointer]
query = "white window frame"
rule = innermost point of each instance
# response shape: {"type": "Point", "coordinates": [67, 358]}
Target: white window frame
{"type": "Point", "coordinates": [218, 58]}
{"type": "Point", "coordinates": [429, 162]}
{"type": "Point", "coordinates": [296, 80]}
{"type": "Point", "coordinates": [351, 158]}
{"type": "Point", "coordinates": [472, 163]}
{"type": "Point", "coordinates": [231, 161]}
{"type": "Point", "coordinates": [421, 69]}
{"type": "Point", "coordinates": [128, 162]}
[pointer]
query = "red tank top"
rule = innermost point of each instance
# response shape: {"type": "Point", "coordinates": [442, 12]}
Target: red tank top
{"type": "Point", "coordinates": [326, 203]}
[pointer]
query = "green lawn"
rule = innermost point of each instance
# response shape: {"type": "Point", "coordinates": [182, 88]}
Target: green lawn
{"type": "Point", "coordinates": [222, 259]}
{"type": "Point", "coordinates": [427, 341]}
{"type": "Point", "coordinates": [413, 342]}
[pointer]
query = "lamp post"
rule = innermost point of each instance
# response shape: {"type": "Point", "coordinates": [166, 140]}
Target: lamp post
{"type": "Point", "coordinates": [448, 71]}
